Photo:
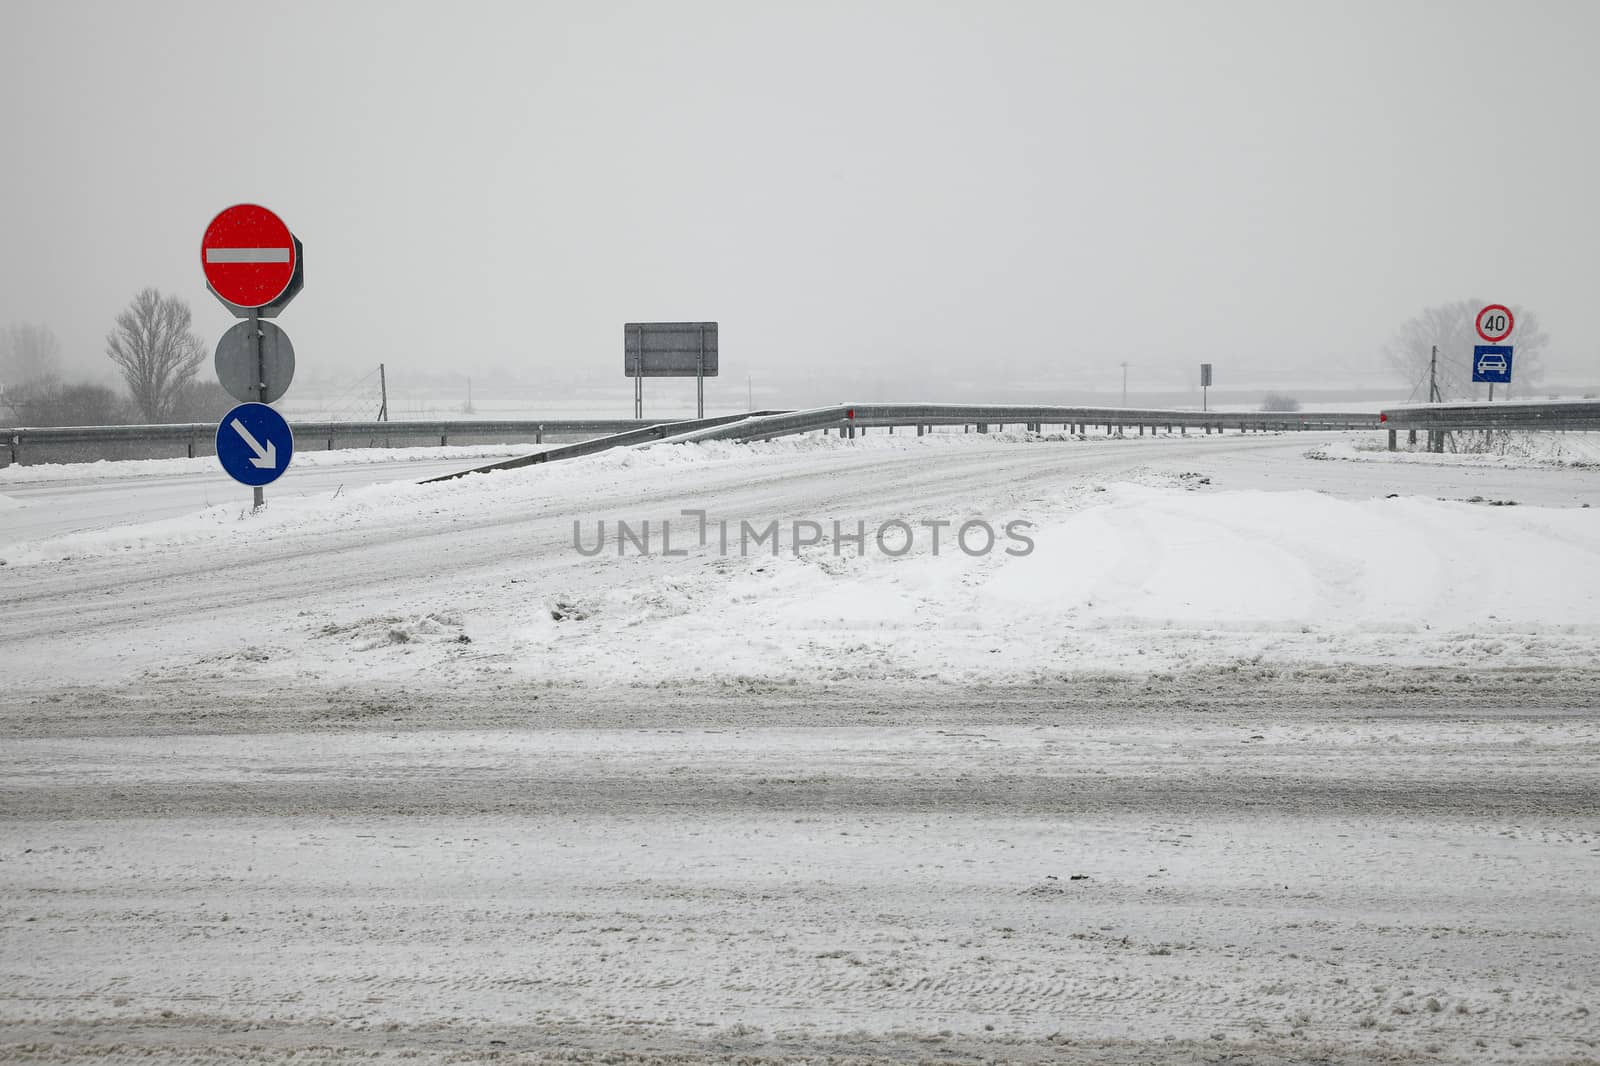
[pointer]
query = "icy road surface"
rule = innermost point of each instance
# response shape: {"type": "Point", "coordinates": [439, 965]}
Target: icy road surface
{"type": "Point", "coordinates": [1246, 760]}
{"type": "Point", "coordinates": [56, 498]}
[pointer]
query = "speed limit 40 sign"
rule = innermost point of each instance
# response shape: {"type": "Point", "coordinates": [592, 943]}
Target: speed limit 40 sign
{"type": "Point", "coordinates": [1494, 323]}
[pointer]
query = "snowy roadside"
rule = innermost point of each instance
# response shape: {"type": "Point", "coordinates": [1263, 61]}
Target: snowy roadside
{"type": "Point", "coordinates": [103, 469]}
{"type": "Point", "coordinates": [1145, 577]}
{"type": "Point", "coordinates": [396, 503]}
{"type": "Point", "coordinates": [525, 577]}
{"type": "Point", "coordinates": [1513, 450]}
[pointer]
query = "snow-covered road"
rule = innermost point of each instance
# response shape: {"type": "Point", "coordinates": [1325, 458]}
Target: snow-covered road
{"type": "Point", "coordinates": [55, 499]}
{"type": "Point", "coordinates": [1244, 758]}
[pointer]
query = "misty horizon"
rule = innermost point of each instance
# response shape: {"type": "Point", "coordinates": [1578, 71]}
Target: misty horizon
{"type": "Point", "coordinates": [939, 201]}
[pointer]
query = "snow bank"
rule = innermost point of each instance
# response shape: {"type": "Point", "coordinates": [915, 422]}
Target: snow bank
{"type": "Point", "coordinates": [1145, 578]}
{"type": "Point", "coordinates": [1153, 578]}
{"type": "Point", "coordinates": [478, 579]}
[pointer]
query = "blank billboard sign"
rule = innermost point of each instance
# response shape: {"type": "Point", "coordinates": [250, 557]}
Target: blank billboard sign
{"type": "Point", "coordinates": [669, 349]}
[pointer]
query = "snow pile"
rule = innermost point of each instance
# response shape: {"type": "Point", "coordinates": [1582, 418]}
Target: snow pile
{"type": "Point", "coordinates": [482, 579]}
{"type": "Point", "coordinates": [1127, 577]}
{"type": "Point", "coordinates": [1142, 577]}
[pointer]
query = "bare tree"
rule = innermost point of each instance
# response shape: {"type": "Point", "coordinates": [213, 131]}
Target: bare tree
{"type": "Point", "coordinates": [1450, 326]}
{"type": "Point", "coordinates": [30, 363]}
{"type": "Point", "coordinates": [156, 352]}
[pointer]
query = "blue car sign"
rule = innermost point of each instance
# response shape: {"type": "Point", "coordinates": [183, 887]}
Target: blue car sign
{"type": "Point", "coordinates": [1492, 363]}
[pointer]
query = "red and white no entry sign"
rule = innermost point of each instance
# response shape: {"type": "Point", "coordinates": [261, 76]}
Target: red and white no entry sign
{"type": "Point", "coordinates": [248, 255]}
{"type": "Point", "coordinates": [1494, 323]}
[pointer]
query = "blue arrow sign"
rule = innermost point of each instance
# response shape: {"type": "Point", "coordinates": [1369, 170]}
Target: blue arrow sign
{"type": "Point", "coordinates": [254, 444]}
{"type": "Point", "coordinates": [1492, 362]}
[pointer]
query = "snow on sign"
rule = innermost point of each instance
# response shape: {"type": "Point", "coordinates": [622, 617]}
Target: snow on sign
{"type": "Point", "coordinates": [249, 255]}
{"type": "Point", "coordinates": [254, 444]}
{"type": "Point", "coordinates": [1494, 323]}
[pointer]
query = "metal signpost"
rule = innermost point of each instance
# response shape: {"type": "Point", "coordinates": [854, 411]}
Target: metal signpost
{"type": "Point", "coordinates": [1205, 383]}
{"type": "Point", "coordinates": [1492, 362]}
{"type": "Point", "coordinates": [669, 350]}
{"type": "Point", "coordinates": [254, 266]}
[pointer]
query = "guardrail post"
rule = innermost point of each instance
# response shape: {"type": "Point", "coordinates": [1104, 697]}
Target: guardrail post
{"type": "Point", "coordinates": [983, 427]}
{"type": "Point", "coordinates": [538, 435]}
{"type": "Point", "coordinates": [919, 429]}
{"type": "Point", "coordinates": [1393, 434]}
{"type": "Point", "coordinates": [441, 440]}
{"type": "Point", "coordinates": [1411, 437]}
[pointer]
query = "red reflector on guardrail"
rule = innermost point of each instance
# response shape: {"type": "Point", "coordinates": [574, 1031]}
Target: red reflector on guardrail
{"type": "Point", "coordinates": [850, 413]}
{"type": "Point", "coordinates": [1383, 417]}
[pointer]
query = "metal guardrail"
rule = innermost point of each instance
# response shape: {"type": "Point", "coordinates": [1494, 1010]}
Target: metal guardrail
{"type": "Point", "coordinates": [1544, 415]}
{"type": "Point", "coordinates": [192, 434]}
{"type": "Point", "coordinates": [182, 431]}
{"type": "Point", "coordinates": [606, 433]}
{"type": "Point", "coordinates": [850, 418]}
{"type": "Point", "coordinates": [647, 434]}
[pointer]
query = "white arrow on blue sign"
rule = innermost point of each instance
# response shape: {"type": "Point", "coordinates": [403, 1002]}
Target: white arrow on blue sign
{"type": "Point", "coordinates": [254, 444]}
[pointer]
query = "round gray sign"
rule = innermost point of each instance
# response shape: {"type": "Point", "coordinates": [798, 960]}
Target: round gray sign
{"type": "Point", "coordinates": [242, 369]}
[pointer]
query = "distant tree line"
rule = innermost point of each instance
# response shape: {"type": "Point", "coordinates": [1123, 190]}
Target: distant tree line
{"type": "Point", "coordinates": [152, 347]}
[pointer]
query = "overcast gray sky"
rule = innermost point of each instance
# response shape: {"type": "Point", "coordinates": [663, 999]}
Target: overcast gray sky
{"type": "Point", "coordinates": [853, 190]}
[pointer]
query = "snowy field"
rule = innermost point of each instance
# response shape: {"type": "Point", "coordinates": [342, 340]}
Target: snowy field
{"type": "Point", "coordinates": [1250, 748]}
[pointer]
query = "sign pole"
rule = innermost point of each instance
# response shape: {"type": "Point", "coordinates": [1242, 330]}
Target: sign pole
{"type": "Point", "coordinates": [261, 388]}
{"type": "Point", "coordinates": [638, 379]}
{"type": "Point", "coordinates": [700, 377]}
{"type": "Point", "coordinates": [253, 265]}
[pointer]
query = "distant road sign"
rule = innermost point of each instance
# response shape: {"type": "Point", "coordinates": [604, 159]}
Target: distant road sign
{"type": "Point", "coordinates": [1205, 375]}
{"type": "Point", "coordinates": [1492, 363]}
{"type": "Point", "coordinates": [249, 255]}
{"type": "Point", "coordinates": [1494, 323]}
{"type": "Point", "coordinates": [254, 444]}
{"type": "Point", "coordinates": [240, 370]}
{"type": "Point", "coordinates": [669, 349]}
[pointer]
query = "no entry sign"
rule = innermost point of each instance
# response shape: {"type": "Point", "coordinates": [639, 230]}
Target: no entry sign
{"type": "Point", "coordinates": [248, 255]}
